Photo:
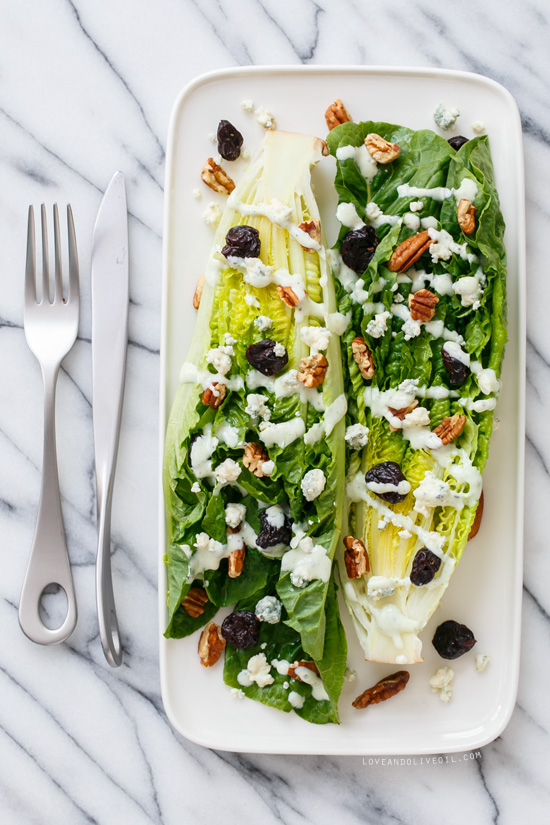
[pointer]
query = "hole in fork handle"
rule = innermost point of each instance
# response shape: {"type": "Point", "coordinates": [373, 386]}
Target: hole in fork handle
{"type": "Point", "coordinates": [53, 606]}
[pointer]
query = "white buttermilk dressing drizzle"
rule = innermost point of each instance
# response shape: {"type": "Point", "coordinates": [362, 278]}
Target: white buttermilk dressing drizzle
{"type": "Point", "coordinates": [468, 189]}
{"type": "Point", "coordinates": [212, 271]}
{"type": "Point", "coordinates": [315, 433]}
{"type": "Point", "coordinates": [366, 163]}
{"type": "Point", "coordinates": [334, 413]}
{"type": "Point", "coordinates": [286, 385]}
{"type": "Point", "coordinates": [346, 152]}
{"type": "Point", "coordinates": [455, 351]}
{"type": "Point", "coordinates": [282, 434]}
{"type": "Point", "coordinates": [337, 322]}
{"type": "Point", "coordinates": [483, 405]}
{"type": "Point", "coordinates": [278, 213]}
{"type": "Point", "coordinates": [445, 245]}
{"type": "Point", "coordinates": [392, 622]}
{"type": "Point", "coordinates": [376, 217]}
{"type": "Point", "coordinates": [412, 329]}
{"type": "Point", "coordinates": [347, 215]}
{"type": "Point", "coordinates": [200, 455]}
{"type": "Point", "coordinates": [486, 378]}
{"type": "Point", "coordinates": [227, 434]}
{"type": "Point", "coordinates": [209, 552]}
{"type": "Point", "coordinates": [357, 491]}
{"type": "Point", "coordinates": [260, 275]}
{"type": "Point", "coordinates": [436, 193]}
{"type": "Point", "coordinates": [310, 678]}
{"type": "Point", "coordinates": [191, 374]}
{"type": "Point", "coordinates": [296, 699]}
{"type": "Point", "coordinates": [429, 223]}
{"type": "Point", "coordinates": [470, 289]}
{"type": "Point", "coordinates": [443, 283]}
{"type": "Point", "coordinates": [306, 562]}
{"type": "Point", "coordinates": [387, 487]}
{"type": "Point", "coordinates": [411, 221]}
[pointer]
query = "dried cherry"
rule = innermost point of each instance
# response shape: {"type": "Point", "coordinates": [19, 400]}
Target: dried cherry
{"type": "Point", "coordinates": [424, 567]}
{"type": "Point", "coordinates": [241, 629]}
{"type": "Point", "coordinates": [230, 140]}
{"type": "Point", "coordinates": [262, 357]}
{"type": "Point", "coordinates": [242, 242]}
{"type": "Point", "coordinates": [270, 535]}
{"type": "Point", "coordinates": [452, 639]}
{"type": "Point", "coordinates": [388, 472]}
{"type": "Point", "coordinates": [358, 248]}
{"type": "Point", "coordinates": [458, 372]}
{"type": "Point", "coordinates": [457, 141]}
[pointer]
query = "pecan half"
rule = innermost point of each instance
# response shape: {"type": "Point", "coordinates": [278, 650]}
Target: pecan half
{"type": "Point", "coordinates": [450, 428]}
{"type": "Point", "coordinates": [363, 357]}
{"type": "Point", "coordinates": [310, 666]}
{"type": "Point", "coordinates": [254, 457]}
{"type": "Point", "coordinates": [466, 214]}
{"type": "Point", "coordinates": [356, 557]}
{"type": "Point", "coordinates": [194, 601]}
{"type": "Point", "coordinates": [409, 251]}
{"type": "Point", "coordinates": [216, 178]}
{"type": "Point", "coordinates": [477, 520]}
{"type": "Point", "coordinates": [213, 396]}
{"type": "Point", "coordinates": [400, 414]}
{"type": "Point", "coordinates": [422, 305]}
{"type": "Point", "coordinates": [336, 114]}
{"type": "Point", "coordinates": [198, 292]}
{"type": "Point", "coordinates": [312, 228]}
{"type": "Point", "coordinates": [312, 370]}
{"type": "Point", "coordinates": [211, 644]}
{"type": "Point", "coordinates": [236, 562]}
{"type": "Point", "coordinates": [382, 690]}
{"type": "Point", "coordinates": [287, 294]}
{"type": "Point", "coordinates": [380, 149]}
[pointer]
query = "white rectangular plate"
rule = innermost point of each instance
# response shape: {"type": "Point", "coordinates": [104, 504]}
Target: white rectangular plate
{"type": "Point", "coordinates": [485, 592]}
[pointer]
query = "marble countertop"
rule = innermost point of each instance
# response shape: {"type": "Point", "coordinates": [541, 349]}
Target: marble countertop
{"type": "Point", "coordinates": [87, 88]}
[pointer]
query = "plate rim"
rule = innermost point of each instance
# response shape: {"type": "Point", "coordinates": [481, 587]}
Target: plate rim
{"type": "Point", "coordinates": [285, 70]}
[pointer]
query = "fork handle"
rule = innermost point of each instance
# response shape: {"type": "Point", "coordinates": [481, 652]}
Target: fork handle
{"type": "Point", "coordinates": [49, 559]}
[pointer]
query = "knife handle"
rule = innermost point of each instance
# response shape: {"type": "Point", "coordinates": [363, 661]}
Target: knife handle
{"type": "Point", "coordinates": [106, 609]}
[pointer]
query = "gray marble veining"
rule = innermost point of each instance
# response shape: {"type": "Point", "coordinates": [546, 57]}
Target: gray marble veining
{"type": "Point", "coordinates": [86, 88]}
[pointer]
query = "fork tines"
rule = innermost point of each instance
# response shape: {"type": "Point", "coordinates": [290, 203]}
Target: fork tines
{"type": "Point", "coordinates": [32, 293]}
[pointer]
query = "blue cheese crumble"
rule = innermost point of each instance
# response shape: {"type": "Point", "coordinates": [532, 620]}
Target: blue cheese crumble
{"type": "Point", "coordinates": [378, 325]}
{"type": "Point", "coordinates": [445, 117]}
{"type": "Point", "coordinates": [313, 484]}
{"type": "Point", "coordinates": [268, 610]}
{"type": "Point", "coordinates": [357, 436]}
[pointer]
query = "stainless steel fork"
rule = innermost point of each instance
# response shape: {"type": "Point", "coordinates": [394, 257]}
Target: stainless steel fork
{"type": "Point", "coordinates": [51, 325]}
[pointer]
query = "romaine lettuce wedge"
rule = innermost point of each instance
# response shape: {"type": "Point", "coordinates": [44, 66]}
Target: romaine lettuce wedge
{"type": "Point", "coordinates": [418, 191]}
{"type": "Point", "coordinates": [285, 294]}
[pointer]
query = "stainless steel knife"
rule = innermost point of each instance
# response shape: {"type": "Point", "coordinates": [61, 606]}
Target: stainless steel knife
{"type": "Point", "coordinates": [110, 301]}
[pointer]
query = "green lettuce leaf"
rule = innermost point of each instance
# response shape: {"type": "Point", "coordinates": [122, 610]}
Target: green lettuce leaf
{"type": "Point", "coordinates": [425, 161]}
{"type": "Point", "coordinates": [257, 572]}
{"type": "Point", "coordinates": [230, 305]}
{"type": "Point", "coordinates": [182, 624]}
{"type": "Point", "coordinates": [279, 641]}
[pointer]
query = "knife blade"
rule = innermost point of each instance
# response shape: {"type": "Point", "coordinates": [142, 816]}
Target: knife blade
{"type": "Point", "coordinates": [110, 303]}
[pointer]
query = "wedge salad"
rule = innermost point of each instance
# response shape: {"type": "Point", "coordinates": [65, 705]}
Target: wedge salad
{"type": "Point", "coordinates": [421, 268]}
{"type": "Point", "coordinates": [333, 415]}
{"type": "Point", "coordinates": [254, 465]}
